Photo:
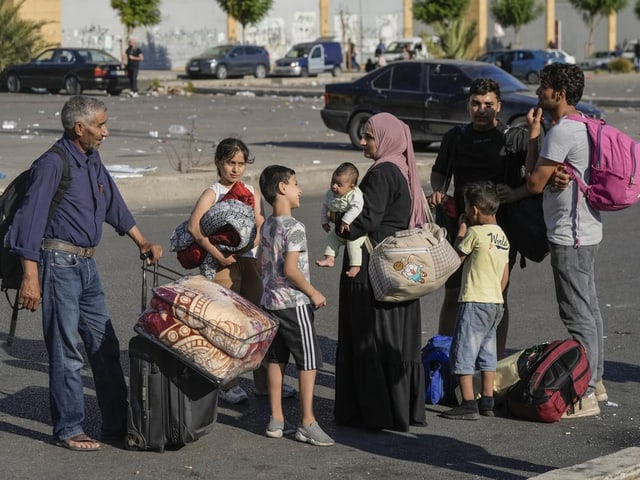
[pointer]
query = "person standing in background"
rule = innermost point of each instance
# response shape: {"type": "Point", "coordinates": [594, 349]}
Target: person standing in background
{"type": "Point", "coordinates": [574, 229]}
{"type": "Point", "coordinates": [477, 152]}
{"type": "Point", "coordinates": [134, 56]}
{"type": "Point", "coordinates": [352, 57]}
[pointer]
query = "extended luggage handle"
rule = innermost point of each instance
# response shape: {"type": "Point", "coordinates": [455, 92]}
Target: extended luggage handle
{"type": "Point", "coordinates": [155, 270]}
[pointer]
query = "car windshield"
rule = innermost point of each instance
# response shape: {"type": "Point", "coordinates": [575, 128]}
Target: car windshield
{"type": "Point", "coordinates": [396, 47]}
{"type": "Point", "coordinates": [298, 51]}
{"type": "Point", "coordinates": [506, 81]}
{"type": "Point", "coordinates": [216, 51]}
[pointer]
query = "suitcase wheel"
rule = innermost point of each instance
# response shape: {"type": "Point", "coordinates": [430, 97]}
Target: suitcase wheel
{"type": "Point", "coordinates": [134, 441]}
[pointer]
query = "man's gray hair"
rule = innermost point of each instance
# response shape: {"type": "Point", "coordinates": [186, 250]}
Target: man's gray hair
{"type": "Point", "coordinates": [78, 108]}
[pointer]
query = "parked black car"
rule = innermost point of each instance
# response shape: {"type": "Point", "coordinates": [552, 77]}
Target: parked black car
{"type": "Point", "coordinates": [428, 95]}
{"type": "Point", "coordinates": [230, 61]}
{"type": "Point", "coordinates": [71, 69]}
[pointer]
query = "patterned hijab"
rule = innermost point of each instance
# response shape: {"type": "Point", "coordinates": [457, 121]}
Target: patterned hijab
{"type": "Point", "coordinates": [393, 138]}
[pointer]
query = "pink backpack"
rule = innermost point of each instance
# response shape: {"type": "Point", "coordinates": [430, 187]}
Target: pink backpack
{"type": "Point", "coordinates": [613, 163]}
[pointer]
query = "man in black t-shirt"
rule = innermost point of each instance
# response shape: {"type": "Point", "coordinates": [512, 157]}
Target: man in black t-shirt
{"type": "Point", "coordinates": [133, 56]}
{"type": "Point", "coordinates": [484, 149]}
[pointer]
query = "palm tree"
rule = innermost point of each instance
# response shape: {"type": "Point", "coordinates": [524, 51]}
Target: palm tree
{"type": "Point", "coordinates": [20, 39]}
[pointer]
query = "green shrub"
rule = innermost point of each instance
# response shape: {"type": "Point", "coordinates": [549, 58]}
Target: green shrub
{"type": "Point", "coordinates": [620, 65]}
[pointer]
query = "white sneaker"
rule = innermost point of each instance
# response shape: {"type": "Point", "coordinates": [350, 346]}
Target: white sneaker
{"type": "Point", "coordinates": [314, 435]}
{"type": "Point", "coordinates": [601, 392]}
{"type": "Point", "coordinates": [234, 395]}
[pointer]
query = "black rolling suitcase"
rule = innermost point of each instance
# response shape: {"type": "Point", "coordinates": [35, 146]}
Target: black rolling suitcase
{"type": "Point", "coordinates": [170, 404]}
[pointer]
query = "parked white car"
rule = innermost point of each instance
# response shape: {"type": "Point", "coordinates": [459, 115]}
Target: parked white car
{"type": "Point", "coordinates": [599, 61]}
{"type": "Point", "coordinates": [559, 55]}
{"type": "Point", "coordinates": [629, 50]}
{"type": "Point", "coordinates": [395, 50]}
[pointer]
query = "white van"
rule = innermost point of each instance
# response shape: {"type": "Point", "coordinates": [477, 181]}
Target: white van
{"type": "Point", "coordinates": [629, 50]}
{"type": "Point", "coordinates": [395, 50]}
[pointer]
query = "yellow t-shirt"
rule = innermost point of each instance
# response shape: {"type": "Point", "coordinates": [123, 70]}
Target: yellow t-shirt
{"type": "Point", "coordinates": [487, 251]}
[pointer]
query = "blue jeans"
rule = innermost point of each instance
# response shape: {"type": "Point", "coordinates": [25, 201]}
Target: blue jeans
{"type": "Point", "coordinates": [474, 339]}
{"type": "Point", "coordinates": [73, 304]}
{"type": "Point", "coordinates": [574, 277]}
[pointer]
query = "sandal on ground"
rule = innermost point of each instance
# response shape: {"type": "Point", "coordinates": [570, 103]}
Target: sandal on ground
{"type": "Point", "coordinates": [72, 443]}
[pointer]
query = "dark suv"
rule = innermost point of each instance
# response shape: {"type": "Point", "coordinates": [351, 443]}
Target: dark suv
{"type": "Point", "coordinates": [522, 63]}
{"type": "Point", "coordinates": [230, 61]}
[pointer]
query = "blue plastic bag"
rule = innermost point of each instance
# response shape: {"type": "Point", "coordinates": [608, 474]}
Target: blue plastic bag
{"type": "Point", "coordinates": [439, 386]}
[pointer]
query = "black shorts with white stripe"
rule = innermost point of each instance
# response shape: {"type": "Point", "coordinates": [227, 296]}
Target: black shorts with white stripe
{"type": "Point", "coordinates": [296, 336]}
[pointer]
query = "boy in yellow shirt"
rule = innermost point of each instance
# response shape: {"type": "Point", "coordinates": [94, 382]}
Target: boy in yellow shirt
{"type": "Point", "coordinates": [484, 250]}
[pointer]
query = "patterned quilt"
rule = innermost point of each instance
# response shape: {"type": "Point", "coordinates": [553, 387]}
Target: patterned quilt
{"type": "Point", "coordinates": [202, 355]}
{"type": "Point", "coordinates": [219, 330]}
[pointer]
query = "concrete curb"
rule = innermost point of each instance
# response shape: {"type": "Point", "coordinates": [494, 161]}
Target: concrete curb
{"type": "Point", "coordinates": [622, 465]}
{"type": "Point", "coordinates": [314, 86]}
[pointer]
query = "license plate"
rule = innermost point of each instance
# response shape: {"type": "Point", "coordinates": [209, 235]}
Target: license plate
{"type": "Point", "coordinates": [119, 73]}
{"type": "Point", "coordinates": [194, 68]}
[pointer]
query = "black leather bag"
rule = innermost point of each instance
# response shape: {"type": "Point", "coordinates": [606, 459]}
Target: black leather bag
{"type": "Point", "coordinates": [526, 229]}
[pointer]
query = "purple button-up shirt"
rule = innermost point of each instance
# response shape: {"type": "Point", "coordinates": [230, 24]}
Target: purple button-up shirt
{"type": "Point", "coordinates": [92, 199]}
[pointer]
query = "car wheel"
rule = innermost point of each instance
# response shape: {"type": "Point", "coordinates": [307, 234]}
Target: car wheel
{"type": "Point", "coordinates": [261, 71]}
{"type": "Point", "coordinates": [222, 72]}
{"type": "Point", "coordinates": [13, 83]}
{"type": "Point", "coordinates": [356, 126]}
{"type": "Point", "coordinates": [336, 71]}
{"type": "Point", "coordinates": [533, 78]}
{"type": "Point", "coordinates": [304, 72]}
{"type": "Point", "coordinates": [115, 92]}
{"type": "Point", "coordinates": [72, 86]}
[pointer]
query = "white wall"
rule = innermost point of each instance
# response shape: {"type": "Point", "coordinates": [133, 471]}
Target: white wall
{"type": "Point", "coordinates": [190, 26]}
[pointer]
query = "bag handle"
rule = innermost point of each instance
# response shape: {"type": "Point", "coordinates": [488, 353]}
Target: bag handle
{"type": "Point", "coordinates": [427, 211]}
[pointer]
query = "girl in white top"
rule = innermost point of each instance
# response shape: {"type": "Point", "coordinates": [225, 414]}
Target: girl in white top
{"type": "Point", "coordinates": [238, 273]}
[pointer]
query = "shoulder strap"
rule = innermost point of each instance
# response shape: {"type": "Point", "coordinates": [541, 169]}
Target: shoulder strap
{"type": "Point", "coordinates": [508, 141]}
{"type": "Point", "coordinates": [458, 132]}
{"type": "Point", "coordinates": [65, 181]}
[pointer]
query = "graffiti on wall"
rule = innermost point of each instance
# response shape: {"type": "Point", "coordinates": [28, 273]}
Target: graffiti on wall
{"type": "Point", "coordinates": [366, 37]}
{"type": "Point", "coordinates": [170, 46]}
{"type": "Point", "coordinates": [304, 27]}
{"type": "Point", "coordinates": [271, 34]}
{"type": "Point", "coordinates": [387, 28]}
{"type": "Point", "coordinates": [93, 36]}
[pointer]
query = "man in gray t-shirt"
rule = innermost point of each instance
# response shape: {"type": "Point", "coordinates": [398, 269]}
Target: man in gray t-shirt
{"type": "Point", "coordinates": [574, 230]}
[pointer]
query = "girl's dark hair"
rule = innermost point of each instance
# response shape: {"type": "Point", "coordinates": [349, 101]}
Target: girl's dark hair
{"type": "Point", "coordinates": [227, 148]}
{"type": "Point", "coordinates": [564, 76]}
{"type": "Point", "coordinates": [483, 196]}
{"type": "Point", "coordinates": [271, 177]}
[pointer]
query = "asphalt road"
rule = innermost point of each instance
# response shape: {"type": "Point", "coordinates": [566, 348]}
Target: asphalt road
{"type": "Point", "coordinates": [498, 448]}
{"type": "Point", "coordinates": [288, 131]}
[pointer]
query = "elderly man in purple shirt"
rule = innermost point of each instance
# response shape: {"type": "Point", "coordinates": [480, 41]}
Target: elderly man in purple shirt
{"type": "Point", "coordinates": [60, 272]}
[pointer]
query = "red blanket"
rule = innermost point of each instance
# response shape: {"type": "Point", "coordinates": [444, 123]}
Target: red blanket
{"type": "Point", "coordinates": [193, 255]}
